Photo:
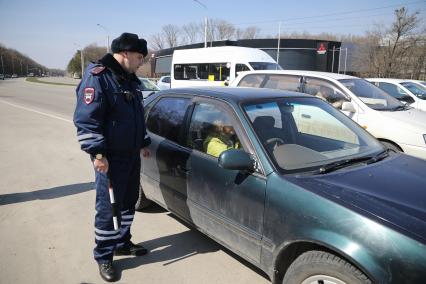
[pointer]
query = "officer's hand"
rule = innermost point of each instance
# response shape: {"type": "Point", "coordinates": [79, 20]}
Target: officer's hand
{"type": "Point", "coordinates": [145, 153]}
{"type": "Point", "coordinates": [101, 165]}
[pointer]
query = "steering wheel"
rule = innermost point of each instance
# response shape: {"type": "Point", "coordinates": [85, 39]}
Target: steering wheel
{"type": "Point", "coordinates": [276, 140]}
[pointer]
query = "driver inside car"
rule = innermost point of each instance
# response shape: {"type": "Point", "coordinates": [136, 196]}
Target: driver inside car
{"type": "Point", "coordinates": [222, 138]}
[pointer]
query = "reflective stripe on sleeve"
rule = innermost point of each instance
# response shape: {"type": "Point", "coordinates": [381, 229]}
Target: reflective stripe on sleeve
{"type": "Point", "coordinates": [89, 135]}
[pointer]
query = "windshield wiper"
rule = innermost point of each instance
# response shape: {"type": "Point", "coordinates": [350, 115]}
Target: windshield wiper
{"type": "Point", "coordinates": [347, 162]}
{"type": "Point", "coordinates": [403, 107]}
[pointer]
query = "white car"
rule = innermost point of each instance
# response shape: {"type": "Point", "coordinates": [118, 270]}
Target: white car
{"type": "Point", "coordinates": [412, 92]}
{"type": "Point", "coordinates": [164, 83]}
{"type": "Point", "coordinates": [396, 125]}
{"type": "Point", "coordinates": [147, 87]}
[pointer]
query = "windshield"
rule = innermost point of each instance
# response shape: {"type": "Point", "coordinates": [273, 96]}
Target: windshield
{"type": "Point", "coordinates": [265, 66]}
{"type": "Point", "coordinates": [304, 134]}
{"type": "Point", "coordinates": [371, 95]}
{"type": "Point", "coordinates": [147, 85]}
{"type": "Point", "coordinates": [417, 89]}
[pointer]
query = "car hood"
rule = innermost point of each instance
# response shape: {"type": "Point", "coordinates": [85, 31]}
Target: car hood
{"type": "Point", "coordinates": [392, 191]}
{"type": "Point", "coordinates": [413, 118]}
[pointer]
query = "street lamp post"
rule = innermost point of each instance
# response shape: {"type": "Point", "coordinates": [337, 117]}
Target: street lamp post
{"type": "Point", "coordinates": [106, 30]}
{"type": "Point", "coordinates": [205, 23]}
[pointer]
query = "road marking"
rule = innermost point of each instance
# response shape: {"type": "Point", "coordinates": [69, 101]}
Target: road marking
{"type": "Point", "coordinates": [36, 111]}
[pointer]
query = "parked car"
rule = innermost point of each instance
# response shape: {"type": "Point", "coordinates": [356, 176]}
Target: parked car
{"type": "Point", "coordinates": [398, 126]}
{"type": "Point", "coordinates": [14, 75]}
{"type": "Point", "coordinates": [1, 76]}
{"type": "Point", "coordinates": [76, 75]}
{"type": "Point", "coordinates": [408, 91]}
{"type": "Point", "coordinates": [305, 193]}
{"type": "Point", "coordinates": [147, 87]}
{"type": "Point", "coordinates": [164, 83]}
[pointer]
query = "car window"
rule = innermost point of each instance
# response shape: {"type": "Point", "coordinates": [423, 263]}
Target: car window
{"type": "Point", "coordinates": [212, 130]}
{"type": "Point", "coordinates": [240, 67]}
{"type": "Point", "coordinates": [252, 80]}
{"type": "Point", "coordinates": [165, 118]}
{"type": "Point", "coordinates": [166, 79]}
{"type": "Point", "coordinates": [265, 66]}
{"type": "Point", "coordinates": [311, 134]}
{"type": "Point", "coordinates": [202, 71]}
{"type": "Point", "coordinates": [371, 95]}
{"type": "Point", "coordinates": [395, 92]}
{"type": "Point", "coordinates": [283, 82]}
{"type": "Point", "coordinates": [325, 91]}
{"type": "Point", "coordinates": [147, 85]}
{"type": "Point", "coordinates": [417, 89]}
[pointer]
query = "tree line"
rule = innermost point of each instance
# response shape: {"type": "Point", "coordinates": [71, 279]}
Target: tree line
{"type": "Point", "coordinates": [14, 62]}
{"type": "Point", "coordinates": [397, 50]}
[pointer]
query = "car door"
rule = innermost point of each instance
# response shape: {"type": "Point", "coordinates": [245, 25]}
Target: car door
{"type": "Point", "coordinates": [226, 204]}
{"type": "Point", "coordinates": [164, 179]}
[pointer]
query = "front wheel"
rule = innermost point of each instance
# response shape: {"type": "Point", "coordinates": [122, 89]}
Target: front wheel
{"type": "Point", "coordinates": [142, 202]}
{"type": "Point", "coordinates": [391, 146]}
{"type": "Point", "coordinates": [314, 267]}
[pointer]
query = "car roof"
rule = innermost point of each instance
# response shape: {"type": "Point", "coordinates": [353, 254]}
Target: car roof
{"type": "Point", "coordinates": [233, 94]}
{"type": "Point", "coordinates": [389, 80]}
{"type": "Point", "coordinates": [330, 75]}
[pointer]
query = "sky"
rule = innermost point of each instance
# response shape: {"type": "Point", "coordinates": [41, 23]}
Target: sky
{"type": "Point", "coordinates": [51, 31]}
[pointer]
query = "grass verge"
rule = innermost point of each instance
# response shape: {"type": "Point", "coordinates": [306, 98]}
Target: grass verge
{"type": "Point", "coordinates": [36, 80]}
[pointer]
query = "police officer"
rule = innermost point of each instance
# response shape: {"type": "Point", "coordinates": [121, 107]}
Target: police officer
{"type": "Point", "coordinates": [109, 117]}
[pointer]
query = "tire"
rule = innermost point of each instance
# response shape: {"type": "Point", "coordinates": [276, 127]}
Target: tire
{"type": "Point", "coordinates": [391, 146]}
{"type": "Point", "coordinates": [315, 267]}
{"type": "Point", "coordinates": [142, 202]}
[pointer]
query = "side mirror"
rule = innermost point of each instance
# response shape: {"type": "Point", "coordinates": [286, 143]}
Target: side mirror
{"type": "Point", "coordinates": [233, 159]}
{"type": "Point", "coordinates": [348, 106]}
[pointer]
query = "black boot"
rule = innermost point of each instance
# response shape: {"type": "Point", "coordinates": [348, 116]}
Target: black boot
{"type": "Point", "coordinates": [131, 249]}
{"type": "Point", "coordinates": [107, 272]}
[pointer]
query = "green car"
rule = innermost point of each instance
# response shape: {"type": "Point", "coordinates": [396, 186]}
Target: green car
{"type": "Point", "coordinates": [287, 182]}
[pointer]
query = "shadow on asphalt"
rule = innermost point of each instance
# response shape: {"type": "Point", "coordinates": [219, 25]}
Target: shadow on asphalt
{"type": "Point", "coordinates": [44, 194]}
{"type": "Point", "coordinates": [173, 248]}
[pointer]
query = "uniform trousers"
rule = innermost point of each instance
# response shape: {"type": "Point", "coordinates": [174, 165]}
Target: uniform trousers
{"type": "Point", "coordinates": [124, 175]}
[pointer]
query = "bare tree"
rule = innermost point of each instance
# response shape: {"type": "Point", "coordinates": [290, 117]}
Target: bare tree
{"type": "Point", "coordinates": [224, 30]}
{"type": "Point", "coordinates": [157, 41]}
{"type": "Point", "coordinates": [93, 52]}
{"type": "Point", "coordinates": [171, 35]}
{"type": "Point", "coordinates": [192, 32]}
{"type": "Point", "coordinates": [402, 28]}
{"type": "Point", "coordinates": [248, 33]}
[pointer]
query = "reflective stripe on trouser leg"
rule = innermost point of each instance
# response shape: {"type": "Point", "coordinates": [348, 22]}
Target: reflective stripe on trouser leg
{"type": "Point", "coordinates": [129, 201]}
{"type": "Point", "coordinates": [105, 236]}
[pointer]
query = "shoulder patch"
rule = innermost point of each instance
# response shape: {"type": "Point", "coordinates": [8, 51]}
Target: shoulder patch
{"type": "Point", "coordinates": [97, 70]}
{"type": "Point", "coordinates": [88, 95]}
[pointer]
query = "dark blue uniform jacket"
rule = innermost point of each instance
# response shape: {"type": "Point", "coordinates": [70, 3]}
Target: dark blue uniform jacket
{"type": "Point", "coordinates": [109, 114]}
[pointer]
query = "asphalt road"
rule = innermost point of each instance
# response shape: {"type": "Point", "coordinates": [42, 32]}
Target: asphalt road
{"type": "Point", "coordinates": [47, 206]}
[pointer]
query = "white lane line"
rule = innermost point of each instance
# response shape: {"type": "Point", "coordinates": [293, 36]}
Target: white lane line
{"type": "Point", "coordinates": [36, 111]}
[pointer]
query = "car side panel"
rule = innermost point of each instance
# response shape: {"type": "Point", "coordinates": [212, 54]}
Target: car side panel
{"type": "Point", "coordinates": [294, 213]}
{"type": "Point", "coordinates": [228, 204]}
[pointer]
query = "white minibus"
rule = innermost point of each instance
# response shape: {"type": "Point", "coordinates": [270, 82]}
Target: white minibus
{"type": "Point", "coordinates": [216, 66]}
